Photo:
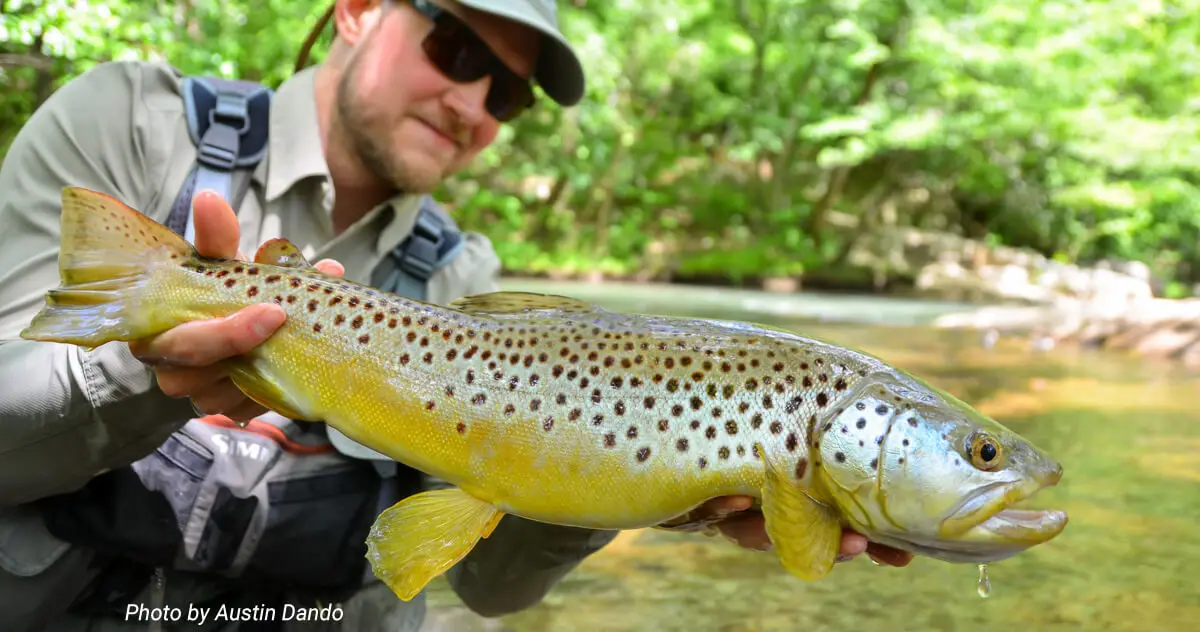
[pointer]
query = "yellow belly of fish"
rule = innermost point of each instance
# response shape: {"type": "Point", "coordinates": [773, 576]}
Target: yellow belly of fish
{"type": "Point", "coordinates": [547, 465]}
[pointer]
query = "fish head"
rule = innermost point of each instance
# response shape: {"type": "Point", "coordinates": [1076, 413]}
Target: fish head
{"type": "Point", "coordinates": [913, 467]}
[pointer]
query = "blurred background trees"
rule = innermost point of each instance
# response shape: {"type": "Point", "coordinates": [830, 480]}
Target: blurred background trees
{"type": "Point", "coordinates": [734, 140]}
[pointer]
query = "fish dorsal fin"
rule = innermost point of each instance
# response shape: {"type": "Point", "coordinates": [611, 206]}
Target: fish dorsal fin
{"type": "Point", "coordinates": [517, 303]}
{"type": "Point", "coordinates": [281, 252]}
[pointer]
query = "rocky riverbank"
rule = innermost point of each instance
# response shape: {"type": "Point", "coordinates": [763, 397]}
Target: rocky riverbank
{"type": "Point", "coordinates": [1155, 328]}
{"type": "Point", "coordinates": [1111, 305]}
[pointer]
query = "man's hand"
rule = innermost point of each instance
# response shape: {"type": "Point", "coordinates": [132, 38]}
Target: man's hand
{"type": "Point", "coordinates": [185, 359]}
{"type": "Point", "coordinates": [734, 518]}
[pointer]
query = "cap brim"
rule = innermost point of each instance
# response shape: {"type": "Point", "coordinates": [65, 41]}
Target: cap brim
{"type": "Point", "coordinates": [351, 448]}
{"type": "Point", "coordinates": [559, 71]}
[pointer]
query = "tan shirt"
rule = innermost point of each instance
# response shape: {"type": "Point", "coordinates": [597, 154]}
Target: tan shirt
{"type": "Point", "coordinates": [67, 414]}
{"type": "Point", "coordinates": [121, 129]}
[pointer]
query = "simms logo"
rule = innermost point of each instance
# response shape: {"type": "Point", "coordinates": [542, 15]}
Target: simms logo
{"type": "Point", "coordinates": [249, 449]}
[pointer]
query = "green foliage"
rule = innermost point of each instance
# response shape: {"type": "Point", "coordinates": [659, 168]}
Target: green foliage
{"type": "Point", "coordinates": [738, 139]}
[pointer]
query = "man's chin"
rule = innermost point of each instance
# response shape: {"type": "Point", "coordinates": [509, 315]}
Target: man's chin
{"type": "Point", "coordinates": [415, 176]}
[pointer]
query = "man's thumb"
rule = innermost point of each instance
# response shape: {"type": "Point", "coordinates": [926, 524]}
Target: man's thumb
{"type": "Point", "coordinates": [216, 226]}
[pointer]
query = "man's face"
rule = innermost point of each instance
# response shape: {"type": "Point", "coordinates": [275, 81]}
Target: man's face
{"type": "Point", "coordinates": [407, 122]}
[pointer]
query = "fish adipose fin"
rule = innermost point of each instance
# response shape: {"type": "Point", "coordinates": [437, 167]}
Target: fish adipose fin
{"type": "Point", "coordinates": [422, 536]}
{"type": "Point", "coordinates": [108, 252]}
{"type": "Point", "coordinates": [805, 534]}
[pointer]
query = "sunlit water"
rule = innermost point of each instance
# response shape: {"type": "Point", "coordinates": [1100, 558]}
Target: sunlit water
{"type": "Point", "coordinates": [1126, 431]}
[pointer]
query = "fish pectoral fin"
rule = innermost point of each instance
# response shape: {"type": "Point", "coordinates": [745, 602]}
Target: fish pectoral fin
{"type": "Point", "coordinates": [422, 536]}
{"type": "Point", "coordinates": [283, 253]}
{"type": "Point", "coordinates": [263, 390]}
{"type": "Point", "coordinates": [806, 534]}
{"type": "Point", "coordinates": [513, 303]}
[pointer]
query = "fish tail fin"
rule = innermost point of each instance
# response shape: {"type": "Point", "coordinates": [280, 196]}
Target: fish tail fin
{"type": "Point", "coordinates": [108, 252]}
{"type": "Point", "coordinates": [424, 535]}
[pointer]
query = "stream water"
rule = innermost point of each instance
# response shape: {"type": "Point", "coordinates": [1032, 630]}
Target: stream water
{"type": "Point", "coordinates": [1127, 432]}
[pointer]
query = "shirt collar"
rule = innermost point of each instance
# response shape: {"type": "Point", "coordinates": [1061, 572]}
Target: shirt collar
{"type": "Point", "coordinates": [295, 150]}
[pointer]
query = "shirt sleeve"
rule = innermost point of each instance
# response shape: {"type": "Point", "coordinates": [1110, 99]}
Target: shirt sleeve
{"type": "Point", "coordinates": [70, 414]}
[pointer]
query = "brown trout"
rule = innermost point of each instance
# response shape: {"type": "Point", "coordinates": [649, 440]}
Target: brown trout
{"type": "Point", "coordinates": [560, 411]}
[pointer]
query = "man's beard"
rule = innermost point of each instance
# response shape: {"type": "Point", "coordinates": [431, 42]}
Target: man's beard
{"type": "Point", "coordinates": [369, 139]}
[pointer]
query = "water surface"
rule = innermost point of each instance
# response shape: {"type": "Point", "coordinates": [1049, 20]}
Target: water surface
{"type": "Point", "coordinates": [1127, 432]}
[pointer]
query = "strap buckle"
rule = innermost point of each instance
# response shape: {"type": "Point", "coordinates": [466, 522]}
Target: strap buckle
{"type": "Point", "coordinates": [228, 120]}
{"type": "Point", "coordinates": [418, 256]}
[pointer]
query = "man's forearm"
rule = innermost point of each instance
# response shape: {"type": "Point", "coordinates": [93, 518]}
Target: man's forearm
{"type": "Point", "coordinates": [69, 415]}
{"type": "Point", "coordinates": [520, 563]}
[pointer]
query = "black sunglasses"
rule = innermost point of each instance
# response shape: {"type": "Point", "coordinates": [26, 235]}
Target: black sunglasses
{"type": "Point", "coordinates": [457, 52]}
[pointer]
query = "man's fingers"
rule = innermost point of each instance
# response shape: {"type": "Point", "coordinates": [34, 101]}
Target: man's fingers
{"type": "Point", "coordinates": [204, 342]}
{"type": "Point", "coordinates": [724, 505]}
{"type": "Point", "coordinates": [216, 226]}
{"type": "Point", "coordinates": [331, 267]}
{"type": "Point", "coordinates": [747, 530]}
{"type": "Point", "coordinates": [853, 545]}
{"type": "Point", "coordinates": [247, 410]}
{"type": "Point", "coordinates": [221, 397]}
{"type": "Point", "coordinates": [186, 381]}
{"type": "Point", "coordinates": [889, 556]}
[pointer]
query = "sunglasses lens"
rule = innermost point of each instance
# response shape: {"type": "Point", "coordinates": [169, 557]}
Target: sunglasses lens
{"type": "Point", "coordinates": [460, 55]}
{"type": "Point", "coordinates": [456, 53]}
{"type": "Point", "coordinates": [508, 98]}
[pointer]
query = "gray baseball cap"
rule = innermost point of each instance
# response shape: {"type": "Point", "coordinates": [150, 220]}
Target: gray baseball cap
{"type": "Point", "coordinates": [559, 72]}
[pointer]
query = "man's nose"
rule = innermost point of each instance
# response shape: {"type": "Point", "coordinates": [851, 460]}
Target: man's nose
{"type": "Point", "coordinates": [468, 100]}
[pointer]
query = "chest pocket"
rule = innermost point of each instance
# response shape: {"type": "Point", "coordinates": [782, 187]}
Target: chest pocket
{"type": "Point", "coordinates": [273, 501]}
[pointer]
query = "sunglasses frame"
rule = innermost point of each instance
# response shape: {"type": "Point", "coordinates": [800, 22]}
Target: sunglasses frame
{"type": "Point", "coordinates": [509, 95]}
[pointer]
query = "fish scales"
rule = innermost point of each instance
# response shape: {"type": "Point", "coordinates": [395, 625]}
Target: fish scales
{"type": "Point", "coordinates": [558, 410]}
{"type": "Point", "coordinates": [627, 420]}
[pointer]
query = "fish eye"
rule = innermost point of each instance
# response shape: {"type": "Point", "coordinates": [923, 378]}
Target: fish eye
{"type": "Point", "coordinates": [985, 452]}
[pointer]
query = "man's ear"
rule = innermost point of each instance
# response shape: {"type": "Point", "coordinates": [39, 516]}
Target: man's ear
{"type": "Point", "coordinates": [355, 18]}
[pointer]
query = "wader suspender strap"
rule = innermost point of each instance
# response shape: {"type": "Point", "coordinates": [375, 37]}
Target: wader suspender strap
{"type": "Point", "coordinates": [229, 122]}
{"type": "Point", "coordinates": [434, 241]}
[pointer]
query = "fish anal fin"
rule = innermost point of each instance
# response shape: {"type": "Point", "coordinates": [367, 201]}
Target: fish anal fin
{"type": "Point", "coordinates": [513, 303]}
{"type": "Point", "coordinates": [265, 391]}
{"type": "Point", "coordinates": [424, 535]}
{"type": "Point", "coordinates": [806, 534]}
{"type": "Point", "coordinates": [281, 252]}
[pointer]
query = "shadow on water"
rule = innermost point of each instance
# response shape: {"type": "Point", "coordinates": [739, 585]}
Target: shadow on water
{"type": "Point", "coordinates": [1126, 432]}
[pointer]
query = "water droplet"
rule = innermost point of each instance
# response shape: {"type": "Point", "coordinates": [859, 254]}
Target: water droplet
{"type": "Point", "coordinates": [985, 585]}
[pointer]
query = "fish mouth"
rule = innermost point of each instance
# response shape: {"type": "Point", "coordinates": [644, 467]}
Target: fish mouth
{"type": "Point", "coordinates": [987, 526]}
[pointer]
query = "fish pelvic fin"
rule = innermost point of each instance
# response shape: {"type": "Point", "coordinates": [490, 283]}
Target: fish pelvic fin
{"type": "Point", "coordinates": [107, 254]}
{"type": "Point", "coordinates": [806, 534]}
{"type": "Point", "coordinates": [422, 536]}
